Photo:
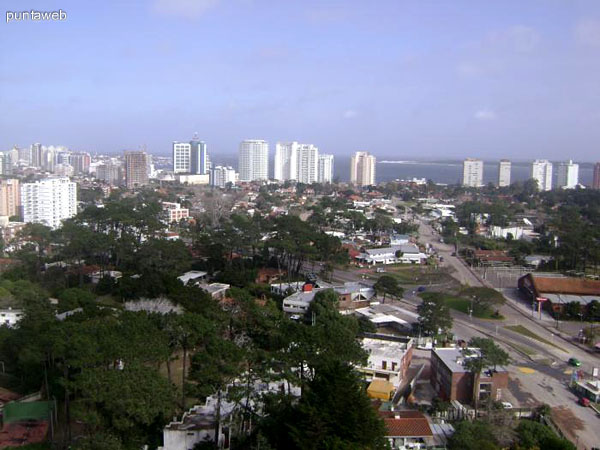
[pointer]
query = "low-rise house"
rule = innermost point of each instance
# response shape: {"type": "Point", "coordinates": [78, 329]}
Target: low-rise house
{"type": "Point", "coordinates": [451, 379]}
{"type": "Point", "coordinates": [556, 292]}
{"type": "Point", "coordinates": [399, 239]}
{"type": "Point", "coordinates": [173, 212]}
{"type": "Point", "coordinates": [407, 253]}
{"type": "Point", "coordinates": [215, 290]}
{"type": "Point", "coordinates": [492, 258]}
{"type": "Point", "coordinates": [192, 277]}
{"type": "Point", "coordinates": [95, 277]}
{"type": "Point", "coordinates": [198, 425]}
{"type": "Point", "coordinates": [10, 317]}
{"type": "Point", "coordinates": [351, 295]}
{"type": "Point", "coordinates": [407, 430]}
{"type": "Point", "coordinates": [389, 357]}
{"type": "Point", "coordinates": [497, 232]}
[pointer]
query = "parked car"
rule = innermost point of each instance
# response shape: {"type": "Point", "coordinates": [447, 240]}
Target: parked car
{"type": "Point", "coordinates": [380, 270]}
{"type": "Point", "coordinates": [583, 401]}
{"type": "Point", "coordinates": [574, 362]}
{"type": "Point", "coordinates": [507, 405]}
{"type": "Point", "coordinates": [441, 259]}
{"type": "Point", "coordinates": [453, 254]}
{"type": "Point", "coordinates": [421, 289]}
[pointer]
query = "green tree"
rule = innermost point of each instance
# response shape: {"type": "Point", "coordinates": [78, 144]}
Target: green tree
{"type": "Point", "coordinates": [476, 435]}
{"type": "Point", "coordinates": [388, 285]}
{"type": "Point", "coordinates": [434, 314]}
{"type": "Point", "coordinates": [315, 422]}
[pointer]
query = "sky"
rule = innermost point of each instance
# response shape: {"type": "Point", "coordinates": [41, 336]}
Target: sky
{"type": "Point", "coordinates": [418, 79]}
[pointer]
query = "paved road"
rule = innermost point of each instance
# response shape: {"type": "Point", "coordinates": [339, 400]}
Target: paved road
{"type": "Point", "coordinates": [537, 378]}
{"type": "Point", "coordinates": [462, 273]}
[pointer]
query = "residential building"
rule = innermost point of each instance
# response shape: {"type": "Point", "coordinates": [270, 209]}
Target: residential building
{"type": "Point", "coordinates": [10, 197]}
{"type": "Point", "coordinates": [407, 429]}
{"type": "Point", "coordinates": [110, 172]}
{"type": "Point", "coordinates": [452, 380]}
{"type": "Point", "coordinates": [136, 169]}
{"type": "Point", "coordinates": [25, 155]}
{"type": "Point", "coordinates": [286, 161]}
{"type": "Point", "coordinates": [596, 181]}
{"type": "Point", "coordinates": [220, 176]}
{"type": "Point", "coordinates": [36, 155]}
{"type": "Point", "coordinates": [308, 163]}
{"type": "Point", "coordinates": [253, 160]}
{"type": "Point", "coordinates": [555, 293]}
{"type": "Point", "coordinates": [199, 161]}
{"type": "Point", "coordinates": [389, 357]}
{"type": "Point", "coordinates": [80, 162]}
{"type": "Point", "coordinates": [174, 212]}
{"type": "Point", "coordinates": [362, 169]}
{"type": "Point", "coordinates": [325, 169]}
{"type": "Point", "coordinates": [10, 317]}
{"type": "Point", "coordinates": [406, 253]}
{"type": "Point", "coordinates": [184, 178]}
{"type": "Point", "coordinates": [193, 277]}
{"type": "Point", "coordinates": [504, 173]}
{"type": "Point", "coordinates": [351, 296]}
{"type": "Point", "coordinates": [182, 157]}
{"type": "Point", "coordinates": [541, 171]}
{"type": "Point", "coordinates": [49, 201]}
{"type": "Point", "coordinates": [472, 172]}
{"type": "Point", "coordinates": [198, 425]}
{"type": "Point", "coordinates": [567, 175]}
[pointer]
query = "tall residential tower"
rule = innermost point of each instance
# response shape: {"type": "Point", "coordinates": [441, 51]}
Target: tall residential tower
{"type": "Point", "coordinates": [362, 169]}
{"type": "Point", "coordinates": [504, 173]}
{"type": "Point", "coordinates": [567, 175]}
{"type": "Point", "coordinates": [253, 160]}
{"type": "Point", "coordinates": [472, 172]}
{"type": "Point", "coordinates": [541, 171]}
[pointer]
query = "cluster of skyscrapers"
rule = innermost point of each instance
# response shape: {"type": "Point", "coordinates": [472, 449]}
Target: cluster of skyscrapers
{"type": "Point", "coordinates": [293, 161]}
{"type": "Point", "coordinates": [567, 175]}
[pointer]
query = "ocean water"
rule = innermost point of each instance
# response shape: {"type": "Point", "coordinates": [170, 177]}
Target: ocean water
{"type": "Point", "coordinates": [447, 172]}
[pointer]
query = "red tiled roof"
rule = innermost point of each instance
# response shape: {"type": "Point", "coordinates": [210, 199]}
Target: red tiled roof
{"type": "Point", "coordinates": [574, 286]}
{"type": "Point", "coordinates": [408, 426]}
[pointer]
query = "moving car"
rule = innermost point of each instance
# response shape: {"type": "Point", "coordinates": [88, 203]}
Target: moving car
{"type": "Point", "coordinates": [574, 362]}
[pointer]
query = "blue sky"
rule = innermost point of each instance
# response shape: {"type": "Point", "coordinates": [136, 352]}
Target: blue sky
{"type": "Point", "coordinates": [412, 79]}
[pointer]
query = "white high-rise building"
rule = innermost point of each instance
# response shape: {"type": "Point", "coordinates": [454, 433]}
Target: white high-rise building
{"type": "Point", "coordinates": [190, 157]}
{"type": "Point", "coordinates": [182, 157]}
{"type": "Point", "coordinates": [286, 160]}
{"type": "Point", "coordinates": [308, 163]}
{"type": "Point", "coordinates": [362, 169]}
{"type": "Point", "coordinates": [325, 169]}
{"type": "Point", "coordinates": [504, 173]}
{"type": "Point", "coordinates": [567, 175]}
{"type": "Point", "coordinates": [254, 160]}
{"type": "Point", "coordinates": [221, 175]}
{"type": "Point", "coordinates": [49, 201]}
{"type": "Point", "coordinates": [541, 171]}
{"type": "Point", "coordinates": [472, 172]}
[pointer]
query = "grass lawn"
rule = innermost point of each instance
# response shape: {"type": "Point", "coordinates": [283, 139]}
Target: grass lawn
{"type": "Point", "coordinates": [462, 304]}
{"type": "Point", "coordinates": [413, 274]}
{"type": "Point", "coordinates": [526, 332]}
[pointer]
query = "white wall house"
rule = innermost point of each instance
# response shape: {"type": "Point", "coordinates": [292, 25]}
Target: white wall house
{"type": "Point", "coordinates": [387, 255]}
{"type": "Point", "coordinates": [10, 317]}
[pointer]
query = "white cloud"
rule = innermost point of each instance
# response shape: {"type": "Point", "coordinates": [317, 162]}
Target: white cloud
{"type": "Point", "coordinates": [350, 114]}
{"type": "Point", "coordinates": [485, 115]}
{"type": "Point", "coordinates": [188, 9]}
{"type": "Point", "coordinates": [587, 32]}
